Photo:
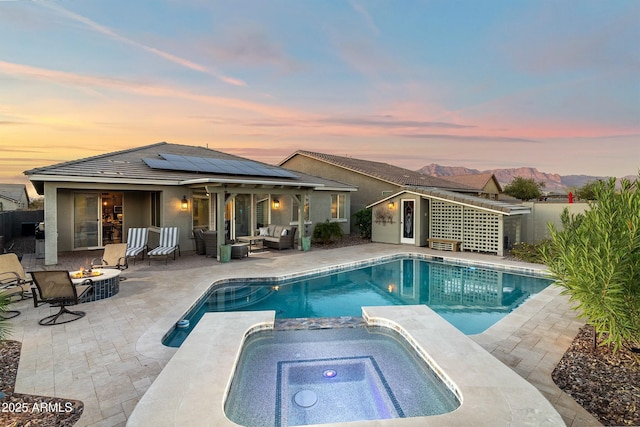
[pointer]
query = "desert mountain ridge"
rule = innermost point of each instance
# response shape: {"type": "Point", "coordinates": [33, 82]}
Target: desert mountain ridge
{"type": "Point", "coordinates": [552, 181]}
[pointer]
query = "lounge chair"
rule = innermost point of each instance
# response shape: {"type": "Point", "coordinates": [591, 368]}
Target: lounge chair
{"type": "Point", "coordinates": [137, 242]}
{"type": "Point", "coordinates": [12, 276]}
{"type": "Point", "coordinates": [56, 288]}
{"type": "Point", "coordinates": [168, 244]}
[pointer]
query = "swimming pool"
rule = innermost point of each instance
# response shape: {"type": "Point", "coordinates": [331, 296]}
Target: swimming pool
{"type": "Point", "coordinates": [469, 297]}
{"type": "Point", "coordinates": [332, 375]}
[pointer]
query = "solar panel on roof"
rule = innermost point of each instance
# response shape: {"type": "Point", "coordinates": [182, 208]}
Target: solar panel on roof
{"type": "Point", "coordinates": [217, 166]}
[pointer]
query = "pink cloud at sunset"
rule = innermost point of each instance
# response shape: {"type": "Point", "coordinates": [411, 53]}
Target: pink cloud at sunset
{"type": "Point", "coordinates": [476, 85]}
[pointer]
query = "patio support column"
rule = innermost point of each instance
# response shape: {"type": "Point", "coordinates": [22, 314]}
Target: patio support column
{"type": "Point", "coordinates": [51, 223]}
{"type": "Point", "coordinates": [253, 222]}
{"type": "Point", "coordinates": [500, 235]}
{"type": "Point", "coordinates": [299, 199]}
{"type": "Point", "coordinates": [220, 208]}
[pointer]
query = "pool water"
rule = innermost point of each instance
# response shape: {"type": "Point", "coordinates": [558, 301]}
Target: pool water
{"type": "Point", "coordinates": [470, 298]}
{"type": "Point", "coordinates": [333, 375]}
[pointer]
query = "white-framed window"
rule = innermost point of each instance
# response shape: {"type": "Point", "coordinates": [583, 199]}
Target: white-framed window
{"type": "Point", "coordinates": [294, 209]}
{"type": "Point", "coordinates": [338, 207]}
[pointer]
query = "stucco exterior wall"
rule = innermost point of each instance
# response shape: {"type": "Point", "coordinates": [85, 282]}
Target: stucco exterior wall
{"type": "Point", "coordinates": [535, 225]}
{"type": "Point", "coordinates": [13, 205]}
{"type": "Point", "coordinates": [65, 221]}
{"type": "Point", "coordinates": [423, 224]}
{"type": "Point", "coordinates": [369, 189]}
{"type": "Point", "coordinates": [136, 210]}
{"type": "Point", "coordinates": [320, 210]}
{"type": "Point", "coordinates": [492, 189]}
{"type": "Point", "coordinates": [386, 222]}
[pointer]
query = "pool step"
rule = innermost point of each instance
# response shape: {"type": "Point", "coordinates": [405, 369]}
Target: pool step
{"type": "Point", "coordinates": [227, 299]}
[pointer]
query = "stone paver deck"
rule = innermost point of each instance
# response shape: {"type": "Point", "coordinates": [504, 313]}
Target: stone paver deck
{"type": "Point", "coordinates": [109, 358]}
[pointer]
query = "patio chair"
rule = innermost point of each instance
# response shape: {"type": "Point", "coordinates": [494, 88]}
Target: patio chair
{"type": "Point", "coordinates": [210, 243]}
{"type": "Point", "coordinates": [137, 243]}
{"type": "Point", "coordinates": [114, 257]}
{"type": "Point", "coordinates": [198, 236]}
{"type": "Point", "coordinates": [56, 288]}
{"type": "Point", "coordinates": [13, 277]}
{"type": "Point", "coordinates": [168, 244]}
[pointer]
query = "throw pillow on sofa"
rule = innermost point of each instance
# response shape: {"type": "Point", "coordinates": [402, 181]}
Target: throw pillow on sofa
{"type": "Point", "coordinates": [284, 232]}
{"type": "Point", "coordinates": [263, 231]}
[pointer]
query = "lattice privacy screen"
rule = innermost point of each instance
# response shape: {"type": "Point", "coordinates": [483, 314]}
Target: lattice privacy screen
{"type": "Point", "coordinates": [477, 230]}
{"type": "Point", "coordinates": [469, 287]}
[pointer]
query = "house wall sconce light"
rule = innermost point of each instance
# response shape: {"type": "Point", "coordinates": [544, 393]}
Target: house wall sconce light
{"type": "Point", "coordinates": [392, 205]}
{"type": "Point", "coordinates": [184, 204]}
{"type": "Point", "coordinates": [276, 204]}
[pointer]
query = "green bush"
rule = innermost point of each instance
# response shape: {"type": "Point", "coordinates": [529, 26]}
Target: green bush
{"type": "Point", "coordinates": [4, 324]}
{"type": "Point", "coordinates": [327, 231]}
{"type": "Point", "coordinates": [362, 219]}
{"type": "Point", "coordinates": [528, 252]}
{"type": "Point", "coordinates": [596, 259]}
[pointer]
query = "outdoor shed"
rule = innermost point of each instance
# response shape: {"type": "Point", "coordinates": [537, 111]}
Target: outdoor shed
{"type": "Point", "coordinates": [446, 220]}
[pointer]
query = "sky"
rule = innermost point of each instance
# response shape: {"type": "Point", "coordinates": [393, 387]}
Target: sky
{"type": "Point", "coordinates": [551, 84]}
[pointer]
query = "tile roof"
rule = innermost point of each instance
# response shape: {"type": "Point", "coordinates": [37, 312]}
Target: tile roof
{"type": "Point", "coordinates": [383, 171]}
{"type": "Point", "coordinates": [477, 202]}
{"type": "Point", "coordinates": [477, 180]}
{"type": "Point", "coordinates": [13, 192]}
{"type": "Point", "coordinates": [127, 166]}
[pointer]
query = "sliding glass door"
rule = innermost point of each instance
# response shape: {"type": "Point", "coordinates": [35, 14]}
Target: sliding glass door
{"type": "Point", "coordinates": [86, 220]}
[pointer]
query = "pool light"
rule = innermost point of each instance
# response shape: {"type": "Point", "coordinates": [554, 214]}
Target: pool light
{"type": "Point", "coordinates": [329, 373]}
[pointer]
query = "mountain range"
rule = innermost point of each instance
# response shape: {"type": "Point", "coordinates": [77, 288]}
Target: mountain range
{"type": "Point", "coordinates": [552, 181]}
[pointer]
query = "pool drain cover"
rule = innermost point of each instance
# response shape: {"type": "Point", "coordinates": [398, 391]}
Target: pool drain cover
{"type": "Point", "coordinates": [305, 398]}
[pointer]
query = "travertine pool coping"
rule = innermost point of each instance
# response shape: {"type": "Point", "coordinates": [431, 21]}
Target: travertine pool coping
{"type": "Point", "coordinates": [191, 390]}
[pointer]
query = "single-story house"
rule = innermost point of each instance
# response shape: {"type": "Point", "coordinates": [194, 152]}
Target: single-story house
{"type": "Point", "coordinates": [446, 220]}
{"type": "Point", "coordinates": [93, 201]}
{"type": "Point", "coordinates": [374, 180]}
{"type": "Point", "coordinates": [13, 197]}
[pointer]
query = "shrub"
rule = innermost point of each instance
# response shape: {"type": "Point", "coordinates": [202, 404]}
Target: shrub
{"type": "Point", "coordinates": [596, 259]}
{"type": "Point", "coordinates": [362, 219]}
{"type": "Point", "coordinates": [528, 252]}
{"type": "Point", "coordinates": [327, 231]}
{"type": "Point", "coordinates": [4, 324]}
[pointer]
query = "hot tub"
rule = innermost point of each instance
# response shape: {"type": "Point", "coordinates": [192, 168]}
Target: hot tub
{"type": "Point", "coordinates": [301, 377]}
{"type": "Point", "coordinates": [195, 385]}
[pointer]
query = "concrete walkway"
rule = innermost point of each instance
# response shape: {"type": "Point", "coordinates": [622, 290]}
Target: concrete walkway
{"type": "Point", "coordinates": [109, 358]}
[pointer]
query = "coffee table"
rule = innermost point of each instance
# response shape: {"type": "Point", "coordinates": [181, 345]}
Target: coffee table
{"type": "Point", "coordinates": [253, 242]}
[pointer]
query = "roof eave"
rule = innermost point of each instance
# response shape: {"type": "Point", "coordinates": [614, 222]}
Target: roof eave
{"type": "Point", "coordinates": [507, 210]}
{"type": "Point", "coordinates": [100, 180]}
{"type": "Point", "coordinates": [250, 182]}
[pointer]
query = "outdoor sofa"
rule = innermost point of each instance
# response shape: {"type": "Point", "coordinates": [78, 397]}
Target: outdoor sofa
{"type": "Point", "coordinates": [278, 236]}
